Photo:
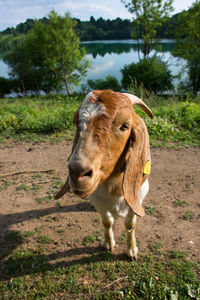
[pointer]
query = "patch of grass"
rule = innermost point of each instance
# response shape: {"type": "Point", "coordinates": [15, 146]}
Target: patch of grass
{"type": "Point", "coordinates": [45, 199]}
{"type": "Point", "coordinates": [100, 276]}
{"type": "Point", "coordinates": [150, 210]}
{"type": "Point", "coordinates": [95, 237]}
{"type": "Point", "coordinates": [61, 230]}
{"type": "Point", "coordinates": [12, 236]}
{"type": "Point", "coordinates": [28, 234]}
{"type": "Point", "coordinates": [188, 215]}
{"type": "Point", "coordinates": [44, 239]}
{"type": "Point", "coordinates": [50, 118]}
{"type": "Point", "coordinates": [179, 203]}
{"type": "Point", "coordinates": [5, 184]}
{"type": "Point", "coordinates": [37, 175]}
{"type": "Point", "coordinates": [36, 187]}
{"type": "Point", "coordinates": [176, 254]}
{"type": "Point", "coordinates": [24, 187]}
{"type": "Point", "coordinates": [155, 248]}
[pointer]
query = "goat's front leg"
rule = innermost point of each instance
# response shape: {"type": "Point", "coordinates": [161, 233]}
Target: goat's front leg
{"type": "Point", "coordinates": [130, 223]}
{"type": "Point", "coordinates": [109, 241]}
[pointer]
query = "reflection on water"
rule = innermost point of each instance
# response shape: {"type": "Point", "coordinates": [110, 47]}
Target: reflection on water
{"type": "Point", "coordinates": [118, 47]}
{"type": "Point", "coordinates": [4, 69]}
{"type": "Point", "coordinates": [109, 57]}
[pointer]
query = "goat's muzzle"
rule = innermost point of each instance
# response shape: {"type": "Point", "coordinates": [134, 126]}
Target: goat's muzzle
{"type": "Point", "coordinates": [82, 179]}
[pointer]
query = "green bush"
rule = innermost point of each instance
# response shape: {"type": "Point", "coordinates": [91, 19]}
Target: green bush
{"type": "Point", "coordinates": [173, 121]}
{"type": "Point", "coordinates": [151, 73]}
{"type": "Point", "coordinates": [109, 83]}
{"type": "Point", "coordinates": [7, 85]}
{"type": "Point", "coordinates": [39, 116]}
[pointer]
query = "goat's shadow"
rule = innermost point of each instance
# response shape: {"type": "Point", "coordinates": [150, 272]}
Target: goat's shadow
{"type": "Point", "coordinates": [40, 262]}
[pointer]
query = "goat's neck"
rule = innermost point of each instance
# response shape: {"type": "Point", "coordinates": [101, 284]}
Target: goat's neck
{"type": "Point", "coordinates": [114, 184]}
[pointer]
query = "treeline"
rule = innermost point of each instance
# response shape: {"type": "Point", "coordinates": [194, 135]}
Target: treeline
{"type": "Point", "coordinates": [97, 29]}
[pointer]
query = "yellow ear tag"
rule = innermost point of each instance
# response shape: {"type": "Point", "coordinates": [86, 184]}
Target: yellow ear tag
{"type": "Point", "coordinates": [147, 168]}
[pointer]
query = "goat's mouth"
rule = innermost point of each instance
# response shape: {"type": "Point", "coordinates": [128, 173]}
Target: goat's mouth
{"type": "Point", "coordinates": [85, 186]}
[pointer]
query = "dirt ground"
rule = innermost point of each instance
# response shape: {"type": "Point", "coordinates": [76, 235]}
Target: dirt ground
{"type": "Point", "coordinates": [172, 206]}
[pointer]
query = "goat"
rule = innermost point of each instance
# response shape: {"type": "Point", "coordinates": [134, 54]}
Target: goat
{"type": "Point", "coordinates": [110, 161]}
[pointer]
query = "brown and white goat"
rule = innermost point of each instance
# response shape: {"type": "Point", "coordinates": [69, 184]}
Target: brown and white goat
{"type": "Point", "coordinates": [110, 160]}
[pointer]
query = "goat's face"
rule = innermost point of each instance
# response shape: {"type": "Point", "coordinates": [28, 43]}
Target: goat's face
{"type": "Point", "coordinates": [104, 123]}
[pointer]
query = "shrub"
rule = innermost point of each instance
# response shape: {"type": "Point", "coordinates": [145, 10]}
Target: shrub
{"type": "Point", "coordinates": [6, 86]}
{"type": "Point", "coordinates": [151, 73]}
{"type": "Point", "coordinates": [104, 84]}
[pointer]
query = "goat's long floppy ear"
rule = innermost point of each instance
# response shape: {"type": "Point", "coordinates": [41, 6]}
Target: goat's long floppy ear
{"type": "Point", "coordinates": [66, 187]}
{"type": "Point", "coordinates": [138, 156]}
{"type": "Point", "coordinates": [135, 100]}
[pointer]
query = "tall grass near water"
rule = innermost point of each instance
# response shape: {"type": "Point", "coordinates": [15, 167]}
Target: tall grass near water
{"type": "Point", "coordinates": [174, 121]}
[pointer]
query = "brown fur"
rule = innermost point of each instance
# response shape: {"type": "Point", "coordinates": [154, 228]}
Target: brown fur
{"type": "Point", "coordinates": [123, 155]}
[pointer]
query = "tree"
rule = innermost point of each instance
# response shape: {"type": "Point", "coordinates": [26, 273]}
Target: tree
{"type": "Point", "coordinates": [63, 54]}
{"type": "Point", "coordinates": [147, 16]}
{"type": "Point", "coordinates": [152, 74]}
{"type": "Point", "coordinates": [105, 84]}
{"type": "Point", "coordinates": [50, 55]}
{"type": "Point", "coordinates": [188, 43]}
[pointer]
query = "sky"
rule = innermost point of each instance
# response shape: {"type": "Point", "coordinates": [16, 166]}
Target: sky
{"type": "Point", "coordinates": [13, 12]}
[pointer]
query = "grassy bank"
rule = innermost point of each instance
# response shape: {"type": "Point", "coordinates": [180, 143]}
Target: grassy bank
{"type": "Point", "coordinates": [174, 121]}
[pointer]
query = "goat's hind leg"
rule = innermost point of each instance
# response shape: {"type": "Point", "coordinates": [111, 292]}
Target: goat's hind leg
{"type": "Point", "coordinates": [130, 223]}
{"type": "Point", "coordinates": [109, 241]}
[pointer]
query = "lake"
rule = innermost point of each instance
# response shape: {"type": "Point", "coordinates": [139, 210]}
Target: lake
{"type": "Point", "coordinates": [109, 57]}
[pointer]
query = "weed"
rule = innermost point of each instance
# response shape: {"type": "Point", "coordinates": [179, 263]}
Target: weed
{"type": "Point", "coordinates": [36, 187]}
{"type": "Point", "coordinates": [45, 199]}
{"type": "Point", "coordinates": [96, 236]}
{"type": "Point", "coordinates": [179, 203]}
{"type": "Point", "coordinates": [61, 230]}
{"type": "Point", "coordinates": [176, 254]}
{"type": "Point", "coordinates": [23, 187]}
{"type": "Point", "coordinates": [150, 210]}
{"type": "Point", "coordinates": [44, 239]}
{"type": "Point", "coordinates": [188, 215]}
{"type": "Point", "coordinates": [6, 184]}
{"type": "Point", "coordinates": [155, 247]}
{"type": "Point", "coordinates": [37, 175]}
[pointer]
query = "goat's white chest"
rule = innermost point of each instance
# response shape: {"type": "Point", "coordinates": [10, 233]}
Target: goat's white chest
{"type": "Point", "coordinates": [106, 203]}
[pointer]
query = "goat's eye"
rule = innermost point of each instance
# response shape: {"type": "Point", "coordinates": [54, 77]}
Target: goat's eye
{"type": "Point", "coordinates": [124, 127]}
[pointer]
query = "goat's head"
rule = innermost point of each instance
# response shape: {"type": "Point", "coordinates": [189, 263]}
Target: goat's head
{"type": "Point", "coordinates": [108, 130]}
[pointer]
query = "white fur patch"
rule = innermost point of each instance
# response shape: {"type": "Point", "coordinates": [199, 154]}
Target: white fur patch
{"type": "Point", "coordinates": [89, 110]}
{"type": "Point", "coordinates": [115, 206]}
{"type": "Point", "coordinates": [144, 190]}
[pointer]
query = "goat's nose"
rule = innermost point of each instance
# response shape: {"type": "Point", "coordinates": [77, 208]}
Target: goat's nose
{"type": "Point", "coordinates": [78, 172]}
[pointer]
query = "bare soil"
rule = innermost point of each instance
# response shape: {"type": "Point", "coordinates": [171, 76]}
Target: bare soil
{"type": "Point", "coordinates": [73, 226]}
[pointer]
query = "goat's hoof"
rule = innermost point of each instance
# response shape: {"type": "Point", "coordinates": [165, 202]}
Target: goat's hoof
{"type": "Point", "coordinates": [132, 253]}
{"type": "Point", "coordinates": [109, 245]}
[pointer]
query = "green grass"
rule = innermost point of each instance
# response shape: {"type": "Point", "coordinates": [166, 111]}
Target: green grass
{"type": "Point", "coordinates": [188, 215]}
{"type": "Point", "coordinates": [175, 122]}
{"type": "Point", "coordinates": [29, 274]}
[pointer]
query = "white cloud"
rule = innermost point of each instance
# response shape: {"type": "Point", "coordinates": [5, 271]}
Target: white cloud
{"type": "Point", "coordinates": [13, 12]}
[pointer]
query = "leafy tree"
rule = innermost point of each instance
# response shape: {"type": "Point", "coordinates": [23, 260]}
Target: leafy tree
{"type": "Point", "coordinates": [152, 74]}
{"type": "Point", "coordinates": [9, 42]}
{"type": "Point", "coordinates": [147, 16]}
{"type": "Point", "coordinates": [26, 62]}
{"type": "Point", "coordinates": [6, 86]}
{"type": "Point", "coordinates": [104, 84]}
{"type": "Point", "coordinates": [63, 54]}
{"type": "Point", "coordinates": [50, 55]}
{"type": "Point", "coordinates": [188, 46]}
